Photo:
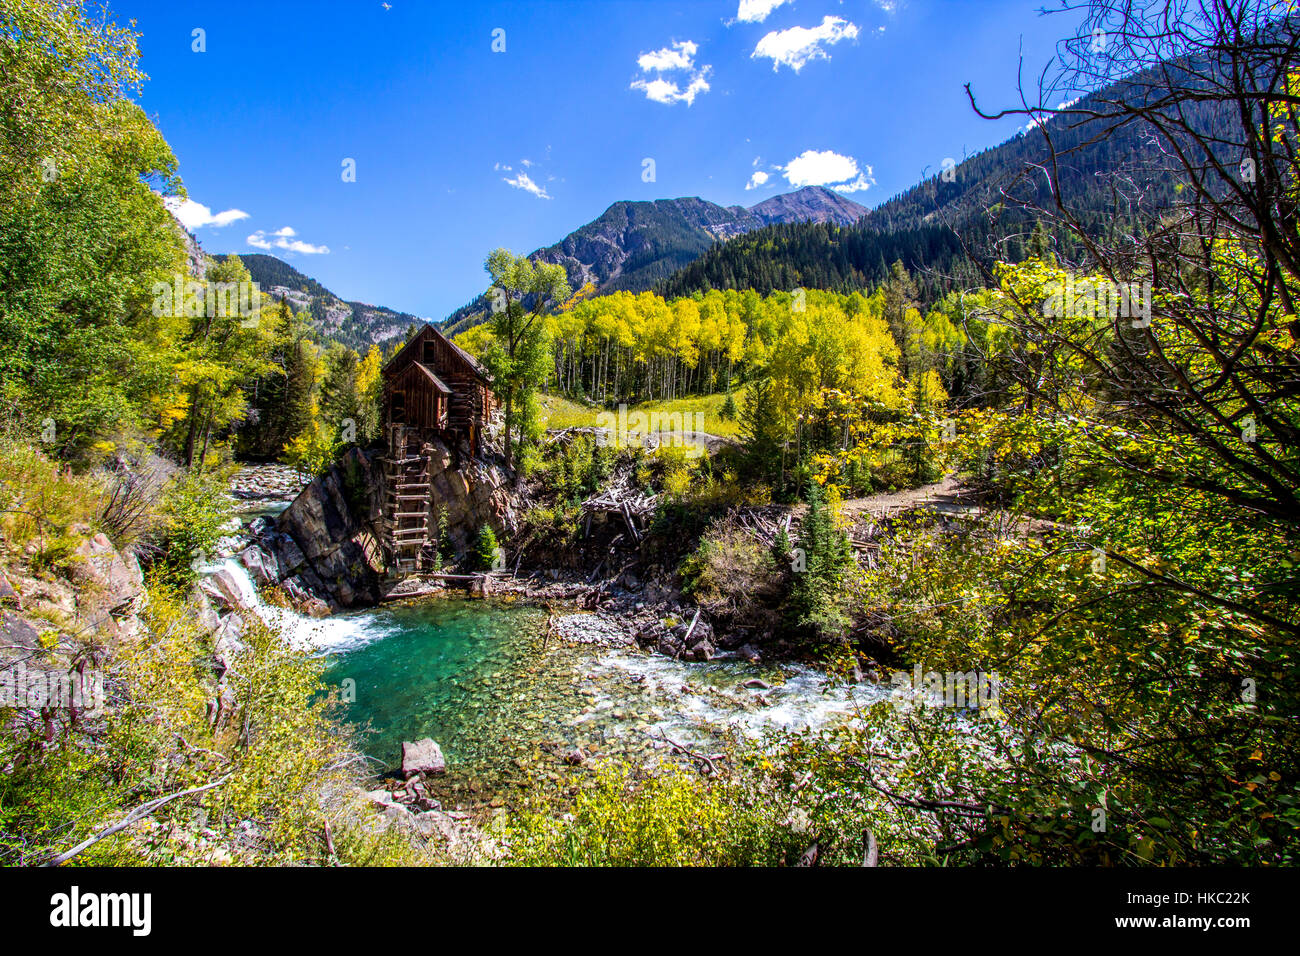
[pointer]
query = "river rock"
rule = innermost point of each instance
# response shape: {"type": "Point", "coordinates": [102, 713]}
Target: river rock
{"type": "Point", "coordinates": [315, 607]}
{"type": "Point", "coordinates": [422, 756]}
{"type": "Point", "coordinates": [256, 562]}
{"type": "Point", "coordinates": [701, 651]}
{"type": "Point", "coordinates": [222, 587]}
{"type": "Point", "coordinates": [669, 645]}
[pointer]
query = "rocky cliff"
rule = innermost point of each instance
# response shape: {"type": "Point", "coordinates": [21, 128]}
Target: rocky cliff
{"type": "Point", "coordinates": [324, 552]}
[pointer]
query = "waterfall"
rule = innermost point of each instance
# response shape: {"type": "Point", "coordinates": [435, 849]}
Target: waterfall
{"type": "Point", "coordinates": [329, 635]}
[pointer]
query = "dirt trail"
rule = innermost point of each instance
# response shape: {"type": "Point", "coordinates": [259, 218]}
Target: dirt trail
{"type": "Point", "coordinates": [947, 496]}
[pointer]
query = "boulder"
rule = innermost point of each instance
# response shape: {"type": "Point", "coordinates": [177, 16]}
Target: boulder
{"type": "Point", "coordinates": [422, 756]}
{"type": "Point", "coordinates": [290, 555]}
{"type": "Point", "coordinates": [222, 587]}
{"type": "Point", "coordinates": [7, 593]}
{"type": "Point", "coordinates": [315, 607]}
{"type": "Point", "coordinates": [16, 632]}
{"type": "Point", "coordinates": [227, 642]}
{"type": "Point", "coordinates": [208, 618]}
{"type": "Point", "coordinates": [256, 562]}
{"type": "Point", "coordinates": [110, 588]}
{"type": "Point", "coordinates": [703, 651]}
{"type": "Point", "coordinates": [670, 646]}
{"type": "Point", "coordinates": [120, 579]}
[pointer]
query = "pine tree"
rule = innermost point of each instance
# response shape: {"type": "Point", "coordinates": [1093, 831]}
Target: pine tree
{"type": "Point", "coordinates": [760, 429]}
{"type": "Point", "coordinates": [485, 549]}
{"type": "Point", "coordinates": [442, 546]}
{"type": "Point", "coordinates": [728, 410]}
{"type": "Point", "coordinates": [814, 597]}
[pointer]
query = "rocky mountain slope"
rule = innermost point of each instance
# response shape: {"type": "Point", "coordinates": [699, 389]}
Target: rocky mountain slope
{"type": "Point", "coordinates": [356, 324]}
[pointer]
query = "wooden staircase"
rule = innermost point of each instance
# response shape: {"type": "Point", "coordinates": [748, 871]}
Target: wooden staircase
{"type": "Point", "coordinates": [408, 496]}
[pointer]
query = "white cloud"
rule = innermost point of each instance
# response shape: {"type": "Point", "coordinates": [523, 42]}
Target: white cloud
{"type": "Point", "coordinates": [194, 215]}
{"type": "Point", "coordinates": [758, 179]}
{"type": "Point", "coordinates": [668, 92]}
{"type": "Point", "coordinates": [680, 57]}
{"type": "Point", "coordinates": [827, 168]}
{"type": "Point", "coordinates": [1043, 118]}
{"type": "Point", "coordinates": [304, 247]}
{"type": "Point", "coordinates": [283, 240]}
{"type": "Point", "coordinates": [756, 11]}
{"type": "Point", "coordinates": [797, 46]}
{"type": "Point", "coordinates": [525, 182]}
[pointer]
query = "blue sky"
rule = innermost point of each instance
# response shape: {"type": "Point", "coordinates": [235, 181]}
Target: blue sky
{"type": "Point", "coordinates": [459, 149]}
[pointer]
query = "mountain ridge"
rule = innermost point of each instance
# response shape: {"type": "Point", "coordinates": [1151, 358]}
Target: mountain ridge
{"type": "Point", "coordinates": [635, 244]}
{"type": "Point", "coordinates": [352, 322]}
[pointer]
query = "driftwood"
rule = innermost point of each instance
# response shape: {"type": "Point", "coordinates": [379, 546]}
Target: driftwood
{"type": "Point", "coordinates": [686, 641]}
{"type": "Point", "coordinates": [568, 434]}
{"type": "Point", "coordinates": [708, 762]}
{"type": "Point", "coordinates": [550, 625]}
{"type": "Point", "coordinates": [620, 498]}
{"type": "Point", "coordinates": [764, 522]}
{"type": "Point", "coordinates": [144, 810]}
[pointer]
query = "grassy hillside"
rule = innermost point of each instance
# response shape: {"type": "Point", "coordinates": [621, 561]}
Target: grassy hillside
{"type": "Point", "coordinates": [559, 412]}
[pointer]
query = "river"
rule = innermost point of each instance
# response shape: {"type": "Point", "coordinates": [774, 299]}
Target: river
{"type": "Point", "coordinates": [509, 713]}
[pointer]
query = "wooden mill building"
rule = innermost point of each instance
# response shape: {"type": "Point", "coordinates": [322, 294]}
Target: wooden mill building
{"type": "Point", "coordinates": [432, 389]}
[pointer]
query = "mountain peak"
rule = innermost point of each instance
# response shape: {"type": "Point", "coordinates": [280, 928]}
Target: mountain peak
{"type": "Point", "coordinates": [809, 204]}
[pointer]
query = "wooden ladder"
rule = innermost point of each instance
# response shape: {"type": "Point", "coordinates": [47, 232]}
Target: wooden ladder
{"type": "Point", "coordinates": [407, 498]}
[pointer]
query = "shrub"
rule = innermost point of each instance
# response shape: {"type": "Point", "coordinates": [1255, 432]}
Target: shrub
{"type": "Point", "coordinates": [676, 819]}
{"type": "Point", "coordinates": [194, 509]}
